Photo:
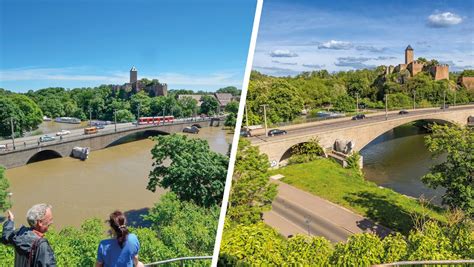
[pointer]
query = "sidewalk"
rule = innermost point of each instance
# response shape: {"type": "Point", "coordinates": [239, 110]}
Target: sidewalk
{"type": "Point", "coordinates": [296, 211]}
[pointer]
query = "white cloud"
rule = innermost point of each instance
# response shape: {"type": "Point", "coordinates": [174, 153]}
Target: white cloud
{"type": "Point", "coordinates": [282, 53]}
{"type": "Point", "coordinates": [314, 66]}
{"type": "Point", "coordinates": [337, 45]}
{"type": "Point", "coordinates": [285, 63]}
{"type": "Point", "coordinates": [371, 48]}
{"type": "Point", "coordinates": [71, 74]}
{"type": "Point", "coordinates": [446, 19]}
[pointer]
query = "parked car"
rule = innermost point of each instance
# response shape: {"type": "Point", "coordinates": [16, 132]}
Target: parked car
{"type": "Point", "coordinates": [402, 112]}
{"type": "Point", "coordinates": [63, 132]}
{"type": "Point", "coordinates": [444, 107]}
{"type": "Point", "coordinates": [358, 117]}
{"type": "Point", "coordinates": [46, 138]}
{"type": "Point", "coordinates": [245, 133]}
{"type": "Point", "coordinates": [3, 147]}
{"type": "Point", "coordinates": [100, 126]}
{"type": "Point", "coordinates": [276, 132]}
{"type": "Point", "coordinates": [197, 125]}
{"type": "Point", "coordinates": [192, 129]}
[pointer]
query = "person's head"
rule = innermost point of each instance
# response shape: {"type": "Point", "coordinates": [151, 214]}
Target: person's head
{"type": "Point", "coordinates": [117, 222]}
{"type": "Point", "coordinates": [40, 217]}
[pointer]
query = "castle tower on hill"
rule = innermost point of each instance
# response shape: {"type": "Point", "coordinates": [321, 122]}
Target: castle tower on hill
{"type": "Point", "coordinates": [408, 55]}
{"type": "Point", "coordinates": [133, 75]}
{"type": "Point", "coordinates": [155, 88]}
{"type": "Point", "coordinates": [439, 72]}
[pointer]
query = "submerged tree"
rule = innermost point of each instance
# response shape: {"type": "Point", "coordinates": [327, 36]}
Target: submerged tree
{"type": "Point", "coordinates": [194, 173]}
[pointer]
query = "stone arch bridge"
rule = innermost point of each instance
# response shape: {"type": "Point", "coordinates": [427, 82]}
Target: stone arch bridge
{"type": "Point", "coordinates": [62, 147]}
{"type": "Point", "coordinates": [362, 132]}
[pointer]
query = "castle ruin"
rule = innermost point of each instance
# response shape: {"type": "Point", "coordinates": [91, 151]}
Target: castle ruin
{"type": "Point", "coordinates": [439, 72]}
{"type": "Point", "coordinates": [154, 89]}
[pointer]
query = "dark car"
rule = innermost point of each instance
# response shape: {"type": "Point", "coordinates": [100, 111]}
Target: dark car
{"type": "Point", "coordinates": [444, 107]}
{"type": "Point", "coordinates": [276, 132]}
{"type": "Point", "coordinates": [197, 125]}
{"type": "Point", "coordinates": [402, 112]}
{"type": "Point", "coordinates": [100, 126]}
{"type": "Point", "coordinates": [192, 129]}
{"type": "Point", "coordinates": [358, 117]}
{"type": "Point", "coordinates": [245, 133]}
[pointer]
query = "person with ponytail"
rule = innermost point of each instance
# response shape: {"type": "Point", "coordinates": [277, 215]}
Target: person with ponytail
{"type": "Point", "coordinates": [120, 250]}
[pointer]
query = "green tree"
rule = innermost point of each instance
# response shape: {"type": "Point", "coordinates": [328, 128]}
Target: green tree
{"type": "Point", "coordinates": [4, 185]}
{"type": "Point", "coordinates": [195, 173]}
{"type": "Point", "coordinates": [456, 174]}
{"type": "Point", "coordinates": [251, 193]}
{"type": "Point", "coordinates": [31, 111]}
{"type": "Point", "coordinates": [307, 151]}
{"type": "Point", "coordinates": [209, 105]}
{"type": "Point", "coordinates": [140, 101]}
{"type": "Point", "coordinates": [9, 110]}
{"type": "Point", "coordinates": [229, 89]}
{"type": "Point", "coordinates": [189, 106]}
{"type": "Point", "coordinates": [185, 228]}
{"type": "Point", "coordinates": [124, 115]}
{"type": "Point", "coordinates": [232, 107]}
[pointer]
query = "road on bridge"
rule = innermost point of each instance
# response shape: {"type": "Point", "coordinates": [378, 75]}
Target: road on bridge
{"type": "Point", "coordinates": [336, 124]}
{"type": "Point", "coordinates": [32, 141]}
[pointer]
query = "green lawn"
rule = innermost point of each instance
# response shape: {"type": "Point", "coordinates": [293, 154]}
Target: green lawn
{"type": "Point", "coordinates": [347, 187]}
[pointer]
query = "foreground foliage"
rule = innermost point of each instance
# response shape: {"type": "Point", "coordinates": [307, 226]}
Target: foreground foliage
{"type": "Point", "coordinates": [178, 229]}
{"type": "Point", "coordinates": [456, 174]}
{"type": "Point", "coordinates": [251, 192]}
{"type": "Point", "coordinates": [258, 244]}
{"type": "Point", "coordinates": [195, 173]}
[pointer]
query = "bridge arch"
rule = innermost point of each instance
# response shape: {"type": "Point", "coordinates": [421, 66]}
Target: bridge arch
{"type": "Point", "coordinates": [129, 137]}
{"type": "Point", "coordinates": [44, 155]}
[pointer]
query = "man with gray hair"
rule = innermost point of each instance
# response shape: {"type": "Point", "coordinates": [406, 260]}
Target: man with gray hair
{"type": "Point", "coordinates": [31, 249]}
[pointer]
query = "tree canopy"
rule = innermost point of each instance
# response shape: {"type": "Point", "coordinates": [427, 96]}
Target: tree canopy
{"type": "Point", "coordinates": [194, 173]}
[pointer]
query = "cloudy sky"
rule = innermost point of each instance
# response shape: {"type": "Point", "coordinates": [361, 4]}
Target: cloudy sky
{"type": "Point", "coordinates": [200, 45]}
{"type": "Point", "coordinates": [297, 35]}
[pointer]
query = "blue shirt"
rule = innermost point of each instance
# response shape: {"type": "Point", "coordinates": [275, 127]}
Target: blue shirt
{"type": "Point", "coordinates": [110, 253]}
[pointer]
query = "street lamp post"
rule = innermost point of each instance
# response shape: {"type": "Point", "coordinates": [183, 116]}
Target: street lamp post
{"type": "Point", "coordinates": [357, 102]}
{"type": "Point", "coordinates": [115, 119]}
{"type": "Point", "coordinates": [246, 117]}
{"type": "Point", "coordinates": [414, 99]}
{"type": "Point", "coordinates": [13, 132]}
{"type": "Point", "coordinates": [90, 117]}
{"type": "Point", "coordinates": [386, 106]}
{"type": "Point", "coordinates": [444, 100]}
{"type": "Point", "coordinates": [265, 118]}
{"type": "Point", "coordinates": [163, 115]}
{"type": "Point", "coordinates": [138, 113]}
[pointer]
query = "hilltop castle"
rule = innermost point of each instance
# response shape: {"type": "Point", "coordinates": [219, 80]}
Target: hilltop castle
{"type": "Point", "coordinates": [439, 71]}
{"type": "Point", "coordinates": [154, 88]}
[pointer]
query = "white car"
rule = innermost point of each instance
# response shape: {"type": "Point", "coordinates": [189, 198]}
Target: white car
{"type": "Point", "coordinates": [63, 132]}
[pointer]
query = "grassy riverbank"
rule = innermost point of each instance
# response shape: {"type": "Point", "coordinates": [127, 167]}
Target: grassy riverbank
{"type": "Point", "coordinates": [348, 188]}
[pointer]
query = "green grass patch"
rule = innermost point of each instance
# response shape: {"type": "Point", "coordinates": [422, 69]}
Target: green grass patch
{"type": "Point", "coordinates": [348, 188]}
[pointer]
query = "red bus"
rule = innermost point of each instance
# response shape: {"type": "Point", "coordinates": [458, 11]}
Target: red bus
{"type": "Point", "coordinates": [155, 120]}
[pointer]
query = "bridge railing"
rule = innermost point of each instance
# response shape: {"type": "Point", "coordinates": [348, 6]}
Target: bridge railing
{"type": "Point", "coordinates": [428, 263]}
{"type": "Point", "coordinates": [302, 120]}
{"type": "Point", "coordinates": [181, 261]}
{"type": "Point", "coordinates": [21, 145]}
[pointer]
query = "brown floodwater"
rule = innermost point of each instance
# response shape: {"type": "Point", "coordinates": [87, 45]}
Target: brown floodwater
{"type": "Point", "coordinates": [112, 178]}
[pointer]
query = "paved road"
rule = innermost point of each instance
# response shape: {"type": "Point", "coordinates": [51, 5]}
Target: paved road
{"type": "Point", "coordinates": [31, 141]}
{"type": "Point", "coordinates": [327, 125]}
{"type": "Point", "coordinates": [296, 211]}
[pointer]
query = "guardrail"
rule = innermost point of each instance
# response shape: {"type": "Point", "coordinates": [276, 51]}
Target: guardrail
{"type": "Point", "coordinates": [416, 263]}
{"type": "Point", "coordinates": [181, 260]}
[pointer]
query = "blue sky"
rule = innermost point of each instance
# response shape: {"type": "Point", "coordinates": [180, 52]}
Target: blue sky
{"type": "Point", "coordinates": [187, 44]}
{"type": "Point", "coordinates": [297, 35]}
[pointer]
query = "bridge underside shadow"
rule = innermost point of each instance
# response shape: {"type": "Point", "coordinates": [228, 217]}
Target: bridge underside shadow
{"type": "Point", "coordinates": [424, 127]}
{"type": "Point", "coordinates": [136, 136]}
{"type": "Point", "coordinates": [44, 155]}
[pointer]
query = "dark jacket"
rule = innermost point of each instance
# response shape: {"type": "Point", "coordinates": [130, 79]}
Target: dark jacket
{"type": "Point", "coordinates": [23, 240]}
